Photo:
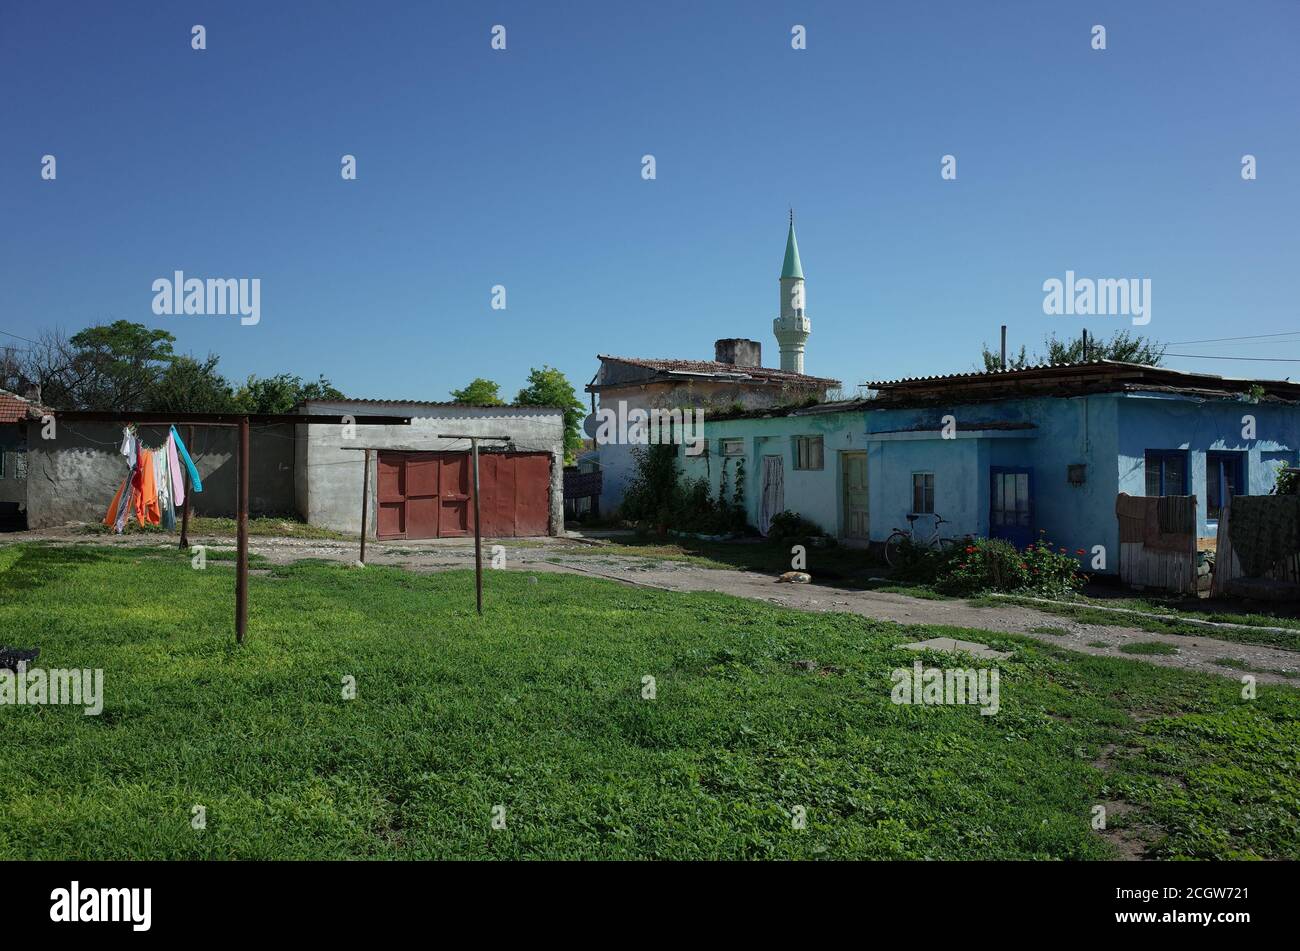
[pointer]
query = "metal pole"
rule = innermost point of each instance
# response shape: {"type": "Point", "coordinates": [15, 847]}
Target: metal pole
{"type": "Point", "coordinates": [241, 518]}
{"type": "Point", "coordinates": [478, 538]}
{"type": "Point", "coordinates": [185, 477]}
{"type": "Point", "coordinates": [365, 502]}
{"type": "Point", "coordinates": [1004, 346]}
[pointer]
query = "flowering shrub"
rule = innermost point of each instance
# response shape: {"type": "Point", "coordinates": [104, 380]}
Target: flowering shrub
{"type": "Point", "coordinates": [993, 564]}
{"type": "Point", "coordinates": [1053, 572]}
{"type": "Point", "coordinates": [985, 564]}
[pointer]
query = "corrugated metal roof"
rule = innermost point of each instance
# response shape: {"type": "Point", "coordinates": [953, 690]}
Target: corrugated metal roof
{"type": "Point", "coordinates": [1063, 371]}
{"type": "Point", "coordinates": [997, 425]}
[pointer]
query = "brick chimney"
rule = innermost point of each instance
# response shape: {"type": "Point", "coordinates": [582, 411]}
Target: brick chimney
{"type": "Point", "coordinates": [738, 352]}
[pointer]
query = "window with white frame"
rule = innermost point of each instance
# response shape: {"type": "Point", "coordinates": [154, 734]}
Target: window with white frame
{"type": "Point", "coordinates": [922, 493]}
{"type": "Point", "coordinates": [808, 451]}
{"type": "Point", "coordinates": [731, 447]}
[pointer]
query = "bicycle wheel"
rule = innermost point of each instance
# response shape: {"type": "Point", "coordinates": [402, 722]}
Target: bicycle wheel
{"type": "Point", "coordinates": [893, 546]}
{"type": "Point", "coordinates": [945, 544]}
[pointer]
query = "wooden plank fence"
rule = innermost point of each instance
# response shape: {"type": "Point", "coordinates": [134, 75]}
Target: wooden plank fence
{"type": "Point", "coordinates": [1227, 566]}
{"type": "Point", "coordinates": [1143, 567]}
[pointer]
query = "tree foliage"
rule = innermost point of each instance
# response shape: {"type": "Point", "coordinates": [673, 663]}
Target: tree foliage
{"type": "Point", "coordinates": [130, 367]}
{"type": "Point", "coordinates": [549, 387]}
{"type": "Point", "coordinates": [479, 392]}
{"type": "Point", "coordinates": [281, 393]}
{"type": "Point", "coordinates": [1122, 346]}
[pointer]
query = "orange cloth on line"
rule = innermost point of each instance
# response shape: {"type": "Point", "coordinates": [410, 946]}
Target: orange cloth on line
{"type": "Point", "coordinates": [111, 517]}
{"type": "Point", "coordinates": [152, 508]}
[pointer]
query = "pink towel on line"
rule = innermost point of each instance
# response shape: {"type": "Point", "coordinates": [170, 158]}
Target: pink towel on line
{"type": "Point", "coordinates": [174, 467]}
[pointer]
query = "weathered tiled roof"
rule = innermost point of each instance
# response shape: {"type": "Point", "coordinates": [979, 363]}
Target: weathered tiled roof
{"type": "Point", "coordinates": [713, 368]}
{"type": "Point", "coordinates": [16, 409]}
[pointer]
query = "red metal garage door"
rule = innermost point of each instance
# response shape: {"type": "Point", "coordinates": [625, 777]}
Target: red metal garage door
{"type": "Point", "coordinates": [428, 494]}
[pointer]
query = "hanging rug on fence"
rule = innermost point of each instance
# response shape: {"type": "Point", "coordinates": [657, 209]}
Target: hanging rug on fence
{"type": "Point", "coordinates": [1264, 529]}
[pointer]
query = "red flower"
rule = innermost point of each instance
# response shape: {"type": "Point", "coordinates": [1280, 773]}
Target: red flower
{"type": "Point", "coordinates": [1079, 551]}
{"type": "Point", "coordinates": [970, 550]}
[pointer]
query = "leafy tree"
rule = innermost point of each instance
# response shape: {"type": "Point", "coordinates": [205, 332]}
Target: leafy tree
{"type": "Point", "coordinates": [1123, 346]}
{"type": "Point", "coordinates": [281, 393]}
{"type": "Point", "coordinates": [106, 367]}
{"type": "Point", "coordinates": [549, 387]}
{"type": "Point", "coordinates": [192, 386]}
{"type": "Point", "coordinates": [479, 392]}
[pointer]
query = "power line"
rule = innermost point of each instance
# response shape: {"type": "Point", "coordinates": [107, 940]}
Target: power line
{"type": "Point", "coordinates": [1184, 343]}
{"type": "Point", "coordinates": [28, 339]}
{"type": "Point", "coordinates": [1206, 356]}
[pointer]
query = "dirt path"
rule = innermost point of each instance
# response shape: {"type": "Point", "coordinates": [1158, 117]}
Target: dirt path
{"type": "Point", "coordinates": [557, 554]}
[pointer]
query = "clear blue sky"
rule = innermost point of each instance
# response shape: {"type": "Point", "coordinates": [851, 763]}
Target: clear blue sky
{"type": "Point", "coordinates": [522, 168]}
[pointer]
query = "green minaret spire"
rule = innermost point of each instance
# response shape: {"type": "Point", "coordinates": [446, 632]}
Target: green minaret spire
{"type": "Point", "coordinates": [792, 267]}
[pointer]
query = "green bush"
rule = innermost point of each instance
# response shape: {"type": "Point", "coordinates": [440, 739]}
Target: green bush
{"type": "Point", "coordinates": [791, 528]}
{"type": "Point", "coordinates": [985, 564]}
{"type": "Point", "coordinates": [990, 564]}
{"type": "Point", "coordinates": [657, 497]}
{"type": "Point", "coordinates": [917, 563]}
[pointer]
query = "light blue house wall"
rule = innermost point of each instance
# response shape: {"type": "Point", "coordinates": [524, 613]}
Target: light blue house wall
{"type": "Point", "coordinates": [1059, 432]}
{"type": "Point", "coordinates": [1107, 433]}
{"type": "Point", "coordinates": [815, 494]}
{"type": "Point", "coordinates": [1154, 421]}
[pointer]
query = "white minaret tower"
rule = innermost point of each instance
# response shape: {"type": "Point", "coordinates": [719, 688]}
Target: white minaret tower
{"type": "Point", "coordinates": [792, 327]}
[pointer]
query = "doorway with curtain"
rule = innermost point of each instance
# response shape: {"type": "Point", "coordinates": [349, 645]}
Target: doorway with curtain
{"type": "Point", "coordinates": [773, 497]}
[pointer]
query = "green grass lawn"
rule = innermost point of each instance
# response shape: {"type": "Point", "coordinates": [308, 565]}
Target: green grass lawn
{"type": "Point", "coordinates": [1086, 610]}
{"type": "Point", "coordinates": [538, 707]}
{"type": "Point", "coordinates": [834, 564]}
{"type": "Point", "coordinates": [266, 526]}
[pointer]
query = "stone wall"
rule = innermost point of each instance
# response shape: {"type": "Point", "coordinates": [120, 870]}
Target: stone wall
{"type": "Point", "coordinates": [73, 477]}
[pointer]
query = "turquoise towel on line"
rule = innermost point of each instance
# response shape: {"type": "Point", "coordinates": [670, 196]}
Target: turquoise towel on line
{"type": "Point", "coordinates": [196, 484]}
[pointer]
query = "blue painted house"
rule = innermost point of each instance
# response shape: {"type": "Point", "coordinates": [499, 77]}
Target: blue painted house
{"type": "Point", "coordinates": [1009, 453]}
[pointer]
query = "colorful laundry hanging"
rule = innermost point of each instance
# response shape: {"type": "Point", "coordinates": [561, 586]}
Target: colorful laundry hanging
{"type": "Point", "coordinates": [155, 484]}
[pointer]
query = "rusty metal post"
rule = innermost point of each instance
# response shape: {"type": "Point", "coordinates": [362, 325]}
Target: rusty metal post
{"type": "Point", "coordinates": [185, 477]}
{"type": "Point", "coordinates": [478, 538]}
{"type": "Point", "coordinates": [365, 503]}
{"type": "Point", "coordinates": [241, 519]}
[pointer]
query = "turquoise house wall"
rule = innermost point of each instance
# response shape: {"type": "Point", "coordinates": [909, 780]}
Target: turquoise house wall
{"type": "Point", "coordinates": [1066, 431]}
{"type": "Point", "coordinates": [1176, 421]}
{"type": "Point", "coordinates": [815, 494]}
{"type": "Point", "coordinates": [1108, 433]}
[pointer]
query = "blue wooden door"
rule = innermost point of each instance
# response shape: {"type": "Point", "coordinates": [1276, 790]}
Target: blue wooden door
{"type": "Point", "coordinates": [1011, 506]}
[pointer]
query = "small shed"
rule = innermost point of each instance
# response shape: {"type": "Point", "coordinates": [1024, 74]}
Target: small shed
{"type": "Point", "coordinates": [420, 483]}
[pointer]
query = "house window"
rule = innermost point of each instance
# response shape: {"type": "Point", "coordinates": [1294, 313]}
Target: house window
{"type": "Point", "coordinates": [922, 493]}
{"type": "Point", "coordinates": [731, 447]}
{"type": "Point", "coordinates": [1224, 477]}
{"type": "Point", "coordinates": [1166, 472]}
{"type": "Point", "coordinates": [808, 452]}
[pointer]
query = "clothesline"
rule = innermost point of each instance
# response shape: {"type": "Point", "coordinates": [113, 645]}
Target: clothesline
{"type": "Point", "coordinates": [155, 482]}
